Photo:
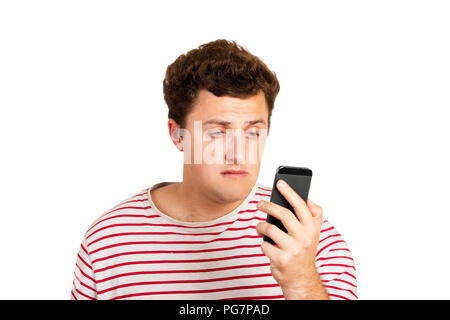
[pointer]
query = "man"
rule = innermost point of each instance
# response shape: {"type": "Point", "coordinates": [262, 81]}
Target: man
{"type": "Point", "coordinates": [201, 238]}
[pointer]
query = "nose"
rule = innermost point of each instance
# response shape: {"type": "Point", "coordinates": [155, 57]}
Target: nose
{"type": "Point", "coordinates": [235, 147]}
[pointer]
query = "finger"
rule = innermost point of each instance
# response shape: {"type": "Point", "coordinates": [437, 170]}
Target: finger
{"type": "Point", "coordinates": [287, 217]}
{"type": "Point", "coordinates": [282, 239]}
{"type": "Point", "coordinates": [297, 203]}
{"type": "Point", "coordinates": [272, 252]}
{"type": "Point", "coordinates": [316, 210]}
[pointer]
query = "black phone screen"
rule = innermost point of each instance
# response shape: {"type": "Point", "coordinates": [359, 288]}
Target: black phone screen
{"type": "Point", "coordinates": [299, 179]}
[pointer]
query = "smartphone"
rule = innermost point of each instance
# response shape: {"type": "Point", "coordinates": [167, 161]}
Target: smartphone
{"type": "Point", "coordinates": [299, 179]}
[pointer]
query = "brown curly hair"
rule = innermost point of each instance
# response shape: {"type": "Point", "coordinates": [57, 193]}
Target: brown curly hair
{"type": "Point", "coordinates": [222, 67]}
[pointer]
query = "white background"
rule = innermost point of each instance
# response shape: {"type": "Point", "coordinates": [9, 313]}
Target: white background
{"type": "Point", "coordinates": [365, 98]}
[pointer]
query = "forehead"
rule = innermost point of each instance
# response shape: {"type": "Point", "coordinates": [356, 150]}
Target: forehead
{"type": "Point", "coordinates": [232, 109]}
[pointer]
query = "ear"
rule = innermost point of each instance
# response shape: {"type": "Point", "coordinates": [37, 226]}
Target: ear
{"type": "Point", "coordinates": [174, 132]}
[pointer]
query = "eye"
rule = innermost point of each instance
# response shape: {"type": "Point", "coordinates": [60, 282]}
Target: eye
{"type": "Point", "coordinates": [253, 134]}
{"type": "Point", "coordinates": [215, 133]}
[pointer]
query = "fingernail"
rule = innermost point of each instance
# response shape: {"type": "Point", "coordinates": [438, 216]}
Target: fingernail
{"type": "Point", "coordinates": [259, 204]}
{"type": "Point", "coordinates": [281, 183]}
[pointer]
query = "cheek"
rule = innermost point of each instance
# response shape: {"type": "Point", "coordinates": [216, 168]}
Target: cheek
{"type": "Point", "coordinates": [213, 151]}
{"type": "Point", "coordinates": [205, 171]}
{"type": "Point", "coordinates": [254, 150]}
{"type": "Point", "coordinates": [253, 170]}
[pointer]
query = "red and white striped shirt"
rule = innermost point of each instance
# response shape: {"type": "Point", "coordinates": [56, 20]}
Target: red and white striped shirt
{"type": "Point", "coordinates": [134, 251]}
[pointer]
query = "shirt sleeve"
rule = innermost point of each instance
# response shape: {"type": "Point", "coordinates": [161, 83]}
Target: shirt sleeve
{"type": "Point", "coordinates": [335, 264]}
{"type": "Point", "coordinates": [83, 287]}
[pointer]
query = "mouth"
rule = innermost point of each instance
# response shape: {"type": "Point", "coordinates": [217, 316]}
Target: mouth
{"type": "Point", "coordinates": [234, 173]}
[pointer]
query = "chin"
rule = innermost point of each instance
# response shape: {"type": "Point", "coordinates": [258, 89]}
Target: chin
{"type": "Point", "coordinates": [234, 190]}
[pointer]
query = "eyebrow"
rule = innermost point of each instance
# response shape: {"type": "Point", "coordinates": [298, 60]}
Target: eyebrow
{"type": "Point", "coordinates": [227, 123]}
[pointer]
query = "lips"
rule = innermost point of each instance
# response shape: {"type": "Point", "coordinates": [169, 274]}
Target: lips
{"type": "Point", "coordinates": [234, 172]}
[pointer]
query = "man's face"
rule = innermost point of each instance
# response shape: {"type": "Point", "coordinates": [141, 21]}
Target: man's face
{"type": "Point", "coordinates": [225, 133]}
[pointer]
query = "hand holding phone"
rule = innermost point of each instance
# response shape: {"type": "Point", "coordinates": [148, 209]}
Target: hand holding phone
{"type": "Point", "coordinates": [299, 179]}
{"type": "Point", "coordinates": [293, 255]}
